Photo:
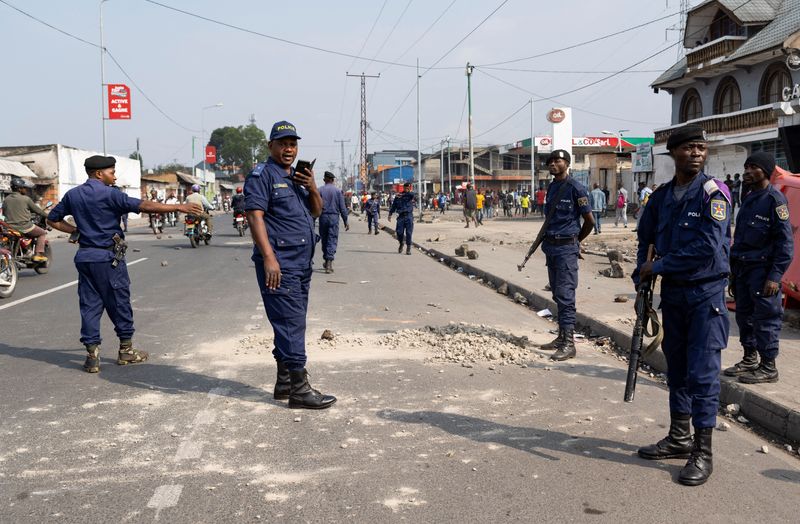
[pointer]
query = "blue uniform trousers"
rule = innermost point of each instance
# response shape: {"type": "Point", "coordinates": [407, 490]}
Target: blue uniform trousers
{"type": "Point", "coordinates": [696, 325]}
{"type": "Point", "coordinates": [405, 227]}
{"type": "Point", "coordinates": [759, 317]}
{"type": "Point", "coordinates": [562, 271]}
{"type": "Point", "coordinates": [372, 221]}
{"type": "Point", "coordinates": [329, 233]}
{"type": "Point", "coordinates": [102, 287]}
{"type": "Point", "coordinates": [286, 309]}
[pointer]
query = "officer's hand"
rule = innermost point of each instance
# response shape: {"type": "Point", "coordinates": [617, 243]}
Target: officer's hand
{"type": "Point", "coordinates": [273, 273]}
{"type": "Point", "coordinates": [347, 227]}
{"type": "Point", "coordinates": [305, 178]}
{"type": "Point", "coordinates": [191, 209]}
{"type": "Point", "coordinates": [770, 288]}
{"type": "Point", "coordinates": [646, 271]}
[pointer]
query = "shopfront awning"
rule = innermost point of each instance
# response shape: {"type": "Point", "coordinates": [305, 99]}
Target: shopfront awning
{"type": "Point", "coordinates": [11, 167]}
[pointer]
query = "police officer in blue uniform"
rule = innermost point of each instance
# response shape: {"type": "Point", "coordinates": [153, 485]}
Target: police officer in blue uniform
{"type": "Point", "coordinates": [761, 253]}
{"type": "Point", "coordinates": [404, 204]}
{"type": "Point", "coordinates": [332, 208]}
{"type": "Point", "coordinates": [281, 205]}
{"type": "Point", "coordinates": [687, 220]}
{"type": "Point", "coordinates": [103, 282]}
{"type": "Point", "coordinates": [373, 211]}
{"type": "Point", "coordinates": [561, 247]}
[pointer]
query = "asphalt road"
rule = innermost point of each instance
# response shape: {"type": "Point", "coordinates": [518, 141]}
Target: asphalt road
{"type": "Point", "coordinates": [194, 436]}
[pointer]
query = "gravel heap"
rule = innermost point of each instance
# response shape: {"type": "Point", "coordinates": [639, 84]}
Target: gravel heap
{"type": "Point", "coordinates": [465, 343]}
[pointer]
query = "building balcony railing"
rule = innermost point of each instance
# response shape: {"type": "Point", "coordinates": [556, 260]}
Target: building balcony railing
{"type": "Point", "coordinates": [746, 120]}
{"type": "Point", "coordinates": [712, 52]}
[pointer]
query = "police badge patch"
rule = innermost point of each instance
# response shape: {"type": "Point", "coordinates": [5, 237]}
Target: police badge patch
{"type": "Point", "coordinates": [583, 201]}
{"type": "Point", "coordinates": [719, 211]}
{"type": "Point", "coordinates": [782, 211]}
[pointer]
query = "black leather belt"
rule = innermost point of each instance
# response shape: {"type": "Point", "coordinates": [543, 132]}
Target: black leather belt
{"type": "Point", "coordinates": [110, 248]}
{"type": "Point", "coordinates": [672, 282]}
{"type": "Point", "coordinates": [561, 241]}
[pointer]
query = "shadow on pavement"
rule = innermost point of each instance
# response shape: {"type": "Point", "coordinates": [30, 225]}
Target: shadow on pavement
{"type": "Point", "coordinates": [785, 475]}
{"type": "Point", "coordinates": [532, 440]}
{"type": "Point", "coordinates": [150, 375]}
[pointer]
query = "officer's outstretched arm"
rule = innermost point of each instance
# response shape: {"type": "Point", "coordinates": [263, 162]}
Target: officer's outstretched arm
{"type": "Point", "coordinates": [61, 225]}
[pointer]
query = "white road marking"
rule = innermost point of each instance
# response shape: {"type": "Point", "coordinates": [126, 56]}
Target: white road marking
{"type": "Point", "coordinates": [205, 417]}
{"type": "Point", "coordinates": [165, 497]}
{"type": "Point", "coordinates": [53, 290]}
{"type": "Point", "coordinates": [189, 450]}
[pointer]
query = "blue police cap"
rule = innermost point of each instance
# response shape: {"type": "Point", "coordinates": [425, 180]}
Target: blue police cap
{"type": "Point", "coordinates": [283, 129]}
{"type": "Point", "coordinates": [99, 162]}
{"type": "Point", "coordinates": [689, 133]}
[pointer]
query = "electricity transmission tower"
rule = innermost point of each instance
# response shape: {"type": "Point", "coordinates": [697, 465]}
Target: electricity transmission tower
{"type": "Point", "coordinates": [363, 172]}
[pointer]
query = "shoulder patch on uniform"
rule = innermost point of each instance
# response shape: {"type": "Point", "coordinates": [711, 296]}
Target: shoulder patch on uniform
{"type": "Point", "coordinates": [583, 201]}
{"type": "Point", "coordinates": [719, 209]}
{"type": "Point", "coordinates": [782, 212]}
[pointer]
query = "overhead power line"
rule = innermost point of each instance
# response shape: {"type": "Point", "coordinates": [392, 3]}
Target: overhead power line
{"type": "Point", "coordinates": [424, 33]}
{"type": "Point", "coordinates": [506, 119]}
{"type": "Point", "coordinates": [113, 59]}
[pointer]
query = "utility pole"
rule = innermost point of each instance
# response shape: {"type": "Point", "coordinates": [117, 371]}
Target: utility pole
{"type": "Point", "coordinates": [342, 168]}
{"type": "Point", "coordinates": [449, 176]}
{"type": "Point", "coordinates": [102, 77]}
{"type": "Point", "coordinates": [470, 68]}
{"type": "Point", "coordinates": [139, 155]}
{"type": "Point", "coordinates": [363, 171]}
{"type": "Point", "coordinates": [252, 147]}
{"type": "Point", "coordinates": [533, 154]}
{"type": "Point", "coordinates": [419, 150]}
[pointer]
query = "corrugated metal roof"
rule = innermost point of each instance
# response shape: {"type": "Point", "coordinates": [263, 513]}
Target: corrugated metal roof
{"type": "Point", "coordinates": [786, 22]}
{"type": "Point", "coordinates": [10, 167]}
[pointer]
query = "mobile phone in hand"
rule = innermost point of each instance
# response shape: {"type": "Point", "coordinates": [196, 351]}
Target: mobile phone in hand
{"type": "Point", "coordinates": [302, 165]}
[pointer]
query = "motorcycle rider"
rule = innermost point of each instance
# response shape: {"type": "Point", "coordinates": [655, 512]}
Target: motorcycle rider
{"type": "Point", "coordinates": [154, 198]}
{"type": "Point", "coordinates": [17, 209]}
{"type": "Point", "coordinates": [172, 200]}
{"type": "Point", "coordinates": [237, 203]}
{"type": "Point", "coordinates": [195, 197]}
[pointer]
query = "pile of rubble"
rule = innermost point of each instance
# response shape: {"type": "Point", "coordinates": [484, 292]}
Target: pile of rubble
{"type": "Point", "coordinates": [464, 343]}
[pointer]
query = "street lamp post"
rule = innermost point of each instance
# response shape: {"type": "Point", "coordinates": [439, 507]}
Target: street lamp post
{"type": "Point", "coordinates": [449, 176]}
{"type": "Point", "coordinates": [102, 77]}
{"type": "Point", "coordinates": [203, 137]}
{"type": "Point", "coordinates": [617, 134]}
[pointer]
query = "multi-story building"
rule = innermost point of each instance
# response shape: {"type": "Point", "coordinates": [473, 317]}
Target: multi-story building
{"type": "Point", "coordinates": [739, 81]}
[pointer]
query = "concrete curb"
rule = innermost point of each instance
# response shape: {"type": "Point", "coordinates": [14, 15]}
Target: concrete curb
{"type": "Point", "coordinates": [757, 408]}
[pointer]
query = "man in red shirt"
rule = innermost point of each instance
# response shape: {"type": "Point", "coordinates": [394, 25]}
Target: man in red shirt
{"type": "Point", "coordinates": [540, 194]}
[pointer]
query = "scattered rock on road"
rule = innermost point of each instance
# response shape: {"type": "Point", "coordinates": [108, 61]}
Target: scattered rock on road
{"type": "Point", "coordinates": [764, 449]}
{"type": "Point", "coordinates": [519, 299]}
{"type": "Point", "coordinates": [472, 254]}
{"type": "Point", "coordinates": [164, 263]}
{"type": "Point", "coordinates": [621, 298]}
{"type": "Point", "coordinates": [503, 289]}
{"type": "Point", "coordinates": [327, 335]}
{"type": "Point", "coordinates": [461, 251]}
{"type": "Point", "coordinates": [732, 409]}
{"type": "Point", "coordinates": [615, 271]}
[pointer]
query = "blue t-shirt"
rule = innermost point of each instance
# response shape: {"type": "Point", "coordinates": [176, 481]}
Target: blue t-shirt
{"type": "Point", "coordinates": [97, 210]}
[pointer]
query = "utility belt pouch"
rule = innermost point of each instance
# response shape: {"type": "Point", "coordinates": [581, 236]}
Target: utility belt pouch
{"type": "Point", "coordinates": [119, 248]}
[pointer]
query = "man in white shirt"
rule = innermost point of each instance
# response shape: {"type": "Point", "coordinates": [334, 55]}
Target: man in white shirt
{"type": "Point", "coordinates": [622, 207]}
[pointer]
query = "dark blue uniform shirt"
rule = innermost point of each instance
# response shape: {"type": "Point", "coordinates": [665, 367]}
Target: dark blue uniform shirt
{"type": "Point", "coordinates": [97, 210]}
{"type": "Point", "coordinates": [763, 235]}
{"type": "Point", "coordinates": [333, 201]}
{"type": "Point", "coordinates": [403, 203]}
{"type": "Point", "coordinates": [692, 236]}
{"type": "Point", "coordinates": [287, 214]}
{"type": "Point", "coordinates": [570, 206]}
{"type": "Point", "coordinates": [374, 207]}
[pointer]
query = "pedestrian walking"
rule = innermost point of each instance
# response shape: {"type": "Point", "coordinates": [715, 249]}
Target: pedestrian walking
{"type": "Point", "coordinates": [373, 211]}
{"type": "Point", "coordinates": [103, 282]}
{"type": "Point", "coordinates": [644, 196]}
{"type": "Point", "coordinates": [561, 247]}
{"type": "Point", "coordinates": [333, 207]}
{"type": "Point", "coordinates": [281, 205]}
{"type": "Point", "coordinates": [404, 205]}
{"type": "Point", "coordinates": [471, 206]}
{"type": "Point", "coordinates": [762, 251]}
{"type": "Point", "coordinates": [525, 204]}
{"type": "Point", "coordinates": [736, 193]}
{"type": "Point", "coordinates": [517, 204]}
{"type": "Point", "coordinates": [598, 205]}
{"type": "Point", "coordinates": [480, 198]}
{"type": "Point", "coordinates": [540, 196]}
{"type": "Point", "coordinates": [622, 207]}
{"type": "Point", "coordinates": [687, 220]}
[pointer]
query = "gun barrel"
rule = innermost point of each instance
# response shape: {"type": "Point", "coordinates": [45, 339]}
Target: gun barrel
{"type": "Point", "coordinates": [633, 366]}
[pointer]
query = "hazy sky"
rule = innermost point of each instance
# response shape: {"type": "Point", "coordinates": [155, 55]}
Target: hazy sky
{"type": "Point", "coordinates": [51, 87]}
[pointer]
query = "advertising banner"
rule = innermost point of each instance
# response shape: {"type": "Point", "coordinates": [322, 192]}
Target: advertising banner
{"type": "Point", "coordinates": [119, 102]}
{"type": "Point", "coordinates": [211, 155]}
{"type": "Point", "coordinates": [643, 159]}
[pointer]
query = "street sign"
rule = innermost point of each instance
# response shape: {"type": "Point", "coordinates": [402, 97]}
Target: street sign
{"type": "Point", "coordinates": [643, 159]}
{"type": "Point", "coordinates": [119, 102]}
{"type": "Point", "coordinates": [211, 155]}
{"type": "Point", "coordinates": [556, 116]}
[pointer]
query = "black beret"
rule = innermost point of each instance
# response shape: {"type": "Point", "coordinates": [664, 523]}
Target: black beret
{"type": "Point", "coordinates": [762, 160]}
{"type": "Point", "coordinates": [686, 134]}
{"type": "Point", "coordinates": [99, 162]}
{"type": "Point", "coordinates": [328, 175]}
{"type": "Point", "coordinates": [560, 153]}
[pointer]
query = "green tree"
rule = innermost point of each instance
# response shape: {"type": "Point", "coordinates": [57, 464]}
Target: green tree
{"type": "Point", "coordinates": [136, 156]}
{"type": "Point", "coordinates": [238, 146]}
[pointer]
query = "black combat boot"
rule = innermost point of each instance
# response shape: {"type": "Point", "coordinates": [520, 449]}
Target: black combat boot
{"type": "Point", "coordinates": [566, 350]}
{"type": "Point", "coordinates": [408, 249]}
{"type": "Point", "coordinates": [92, 363]}
{"type": "Point", "coordinates": [330, 266]}
{"type": "Point", "coordinates": [400, 247]}
{"type": "Point", "coordinates": [748, 363]}
{"type": "Point", "coordinates": [376, 230]}
{"type": "Point", "coordinates": [555, 343]}
{"type": "Point", "coordinates": [302, 395]}
{"type": "Point", "coordinates": [677, 443]}
{"type": "Point", "coordinates": [764, 373]}
{"type": "Point", "coordinates": [699, 466]}
{"type": "Point", "coordinates": [283, 384]}
{"type": "Point", "coordinates": [129, 355]}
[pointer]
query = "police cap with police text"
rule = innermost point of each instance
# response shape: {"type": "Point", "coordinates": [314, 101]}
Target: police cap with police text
{"type": "Point", "coordinates": [328, 175]}
{"type": "Point", "coordinates": [690, 133]}
{"type": "Point", "coordinates": [283, 129]}
{"type": "Point", "coordinates": [560, 153]}
{"type": "Point", "coordinates": [99, 162]}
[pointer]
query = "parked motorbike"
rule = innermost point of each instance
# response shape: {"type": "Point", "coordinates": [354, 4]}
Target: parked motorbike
{"type": "Point", "coordinates": [240, 222]}
{"type": "Point", "coordinates": [197, 230]}
{"type": "Point", "coordinates": [156, 223]}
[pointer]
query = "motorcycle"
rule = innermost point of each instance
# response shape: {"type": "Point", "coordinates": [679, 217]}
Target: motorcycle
{"type": "Point", "coordinates": [240, 222]}
{"type": "Point", "coordinates": [157, 223]}
{"type": "Point", "coordinates": [172, 219]}
{"type": "Point", "coordinates": [8, 271]}
{"type": "Point", "coordinates": [21, 248]}
{"type": "Point", "coordinates": [196, 229]}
